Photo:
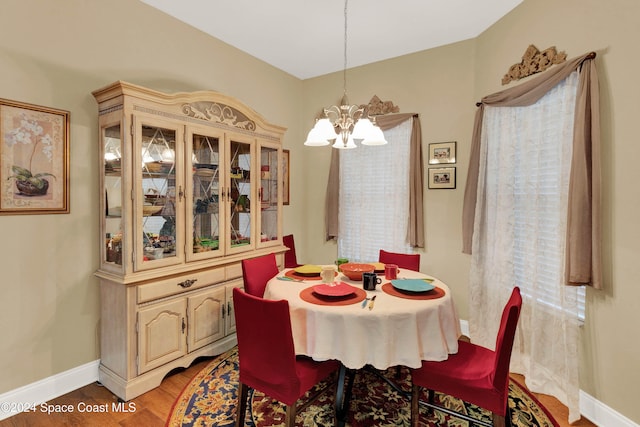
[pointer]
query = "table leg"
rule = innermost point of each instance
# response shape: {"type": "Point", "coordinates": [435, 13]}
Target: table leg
{"type": "Point", "coordinates": [343, 395]}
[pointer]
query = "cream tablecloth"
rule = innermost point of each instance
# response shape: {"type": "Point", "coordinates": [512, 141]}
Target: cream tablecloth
{"type": "Point", "coordinates": [397, 331]}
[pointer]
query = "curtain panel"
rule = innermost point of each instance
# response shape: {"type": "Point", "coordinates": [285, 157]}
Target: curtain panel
{"type": "Point", "coordinates": [415, 230]}
{"type": "Point", "coordinates": [584, 259]}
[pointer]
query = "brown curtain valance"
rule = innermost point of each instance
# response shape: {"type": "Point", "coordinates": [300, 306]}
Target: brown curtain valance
{"type": "Point", "coordinates": [583, 262]}
{"type": "Point", "coordinates": [415, 230]}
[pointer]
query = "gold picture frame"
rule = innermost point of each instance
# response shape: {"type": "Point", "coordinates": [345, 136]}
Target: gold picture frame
{"type": "Point", "coordinates": [34, 159]}
{"type": "Point", "coordinates": [442, 152]}
{"type": "Point", "coordinates": [442, 178]}
{"type": "Point", "coordinates": [285, 177]}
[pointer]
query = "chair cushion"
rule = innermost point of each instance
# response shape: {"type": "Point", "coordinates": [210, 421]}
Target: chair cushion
{"type": "Point", "coordinates": [467, 375]}
{"type": "Point", "coordinates": [289, 390]}
{"type": "Point", "coordinates": [311, 372]}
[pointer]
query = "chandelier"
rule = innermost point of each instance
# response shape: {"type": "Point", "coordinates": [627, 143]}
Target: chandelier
{"type": "Point", "coordinates": [345, 123]}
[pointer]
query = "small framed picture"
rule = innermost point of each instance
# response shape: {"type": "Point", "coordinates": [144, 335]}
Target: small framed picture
{"type": "Point", "coordinates": [442, 152]}
{"type": "Point", "coordinates": [442, 178]}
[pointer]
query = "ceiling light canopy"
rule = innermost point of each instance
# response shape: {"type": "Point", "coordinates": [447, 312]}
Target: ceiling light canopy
{"type": "Point", "coordinates": [345, 124]}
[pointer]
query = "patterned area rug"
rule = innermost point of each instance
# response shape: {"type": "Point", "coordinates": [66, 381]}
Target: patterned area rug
{"type": "Point", "coordinates": [210, 400]}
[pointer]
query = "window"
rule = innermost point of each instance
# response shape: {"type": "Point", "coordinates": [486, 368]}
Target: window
{"type": "Point", "coordinates": [374, 197]}
{"type": "Point", "coordinates": [528, 164]}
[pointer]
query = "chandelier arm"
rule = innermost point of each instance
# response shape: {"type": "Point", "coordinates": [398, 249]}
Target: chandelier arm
{"type": "Point", "coordinates": [332, 113]}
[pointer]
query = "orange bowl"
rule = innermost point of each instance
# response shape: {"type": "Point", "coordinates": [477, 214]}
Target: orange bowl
{"type": "Point", "coordinates": [354, 270]}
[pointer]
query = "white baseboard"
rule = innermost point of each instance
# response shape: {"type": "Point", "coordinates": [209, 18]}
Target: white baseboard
{"type": "Point", "coordinates": [602, 415]}
{"type": "Point", "coordinates": [47, 389]}
{"type": "Point", "coordinates": [32, 395]}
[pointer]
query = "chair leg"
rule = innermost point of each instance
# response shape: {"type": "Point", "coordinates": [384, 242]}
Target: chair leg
{"type": "Point", "coordinates": [499, 420]}
{"type": "Point", "coordinates": [290, 417]}
{"type": "Point", "coordinates": [243, 393]}
{"type": "Point", "coordinates": [415, 405]}
{"type": "Point", "coordinates": [431, 398]}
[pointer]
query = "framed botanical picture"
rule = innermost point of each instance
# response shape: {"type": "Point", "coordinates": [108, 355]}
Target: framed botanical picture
{"type": "Point", "coordinates": [34, 159]}
{"type": "Point", "coordinates": [442, 177]}
{"type": "Point", "coordinates": [442, 152]}
{"type": "Point", "coordinates": [285, 177]}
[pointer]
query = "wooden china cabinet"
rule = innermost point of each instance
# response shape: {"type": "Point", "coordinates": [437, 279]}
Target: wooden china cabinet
{"type": "Point", "coordinates": [190, 185]}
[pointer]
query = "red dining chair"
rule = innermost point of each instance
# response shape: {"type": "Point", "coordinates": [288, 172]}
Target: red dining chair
{"type": "Point", "coordinates": [408, 261]}
{"type": "Point", "coordinates": [267, 360]}
{"type": "Point", "coordinates": [290, 258]}
{"type": "Point", "coordinates": [474, 374]}
{"type": "Point", "coordinates": [256, 272]}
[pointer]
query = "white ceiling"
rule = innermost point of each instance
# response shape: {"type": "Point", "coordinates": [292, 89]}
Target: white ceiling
{"type": "Point", "coordinates": [306, 39]}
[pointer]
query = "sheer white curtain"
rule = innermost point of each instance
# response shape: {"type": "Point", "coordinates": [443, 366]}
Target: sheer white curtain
{"type": "Point", "coordinates": [374, 197]}
{"type": "Point", "coordinates": [519, 240]}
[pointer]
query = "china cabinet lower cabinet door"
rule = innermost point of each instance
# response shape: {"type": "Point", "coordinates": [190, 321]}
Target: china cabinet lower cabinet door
{"type": "Point", "coordinates": [161, 334]}
{"type": "Point", "coordinates": [205, 317]}
{"type": "Point", "coordinates": [230, 324]}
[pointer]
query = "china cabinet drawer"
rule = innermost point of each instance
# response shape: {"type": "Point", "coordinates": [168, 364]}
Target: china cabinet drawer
{"type": "Point", "coordinates": [179, 284]}
{"type": "Point", "coordinates": [234, 271]}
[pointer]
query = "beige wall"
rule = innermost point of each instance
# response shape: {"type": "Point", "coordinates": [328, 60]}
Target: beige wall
{"type": "Point", "coordinates": [443, 84]}
{"type": "Point", "coordinates": [56, 53]}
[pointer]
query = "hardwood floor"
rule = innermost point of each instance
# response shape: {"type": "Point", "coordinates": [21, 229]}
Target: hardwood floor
{"type": "Point", "coordinates": [556, 409]}
{"type": "Point", "coordinates": [152, 408]}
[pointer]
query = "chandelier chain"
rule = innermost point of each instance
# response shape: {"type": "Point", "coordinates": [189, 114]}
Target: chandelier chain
{"type": "Point", "coordinates": [344, 71]}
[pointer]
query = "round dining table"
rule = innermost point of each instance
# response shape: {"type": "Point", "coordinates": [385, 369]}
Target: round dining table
{"type": "Point", "coordinates": [398, 328]}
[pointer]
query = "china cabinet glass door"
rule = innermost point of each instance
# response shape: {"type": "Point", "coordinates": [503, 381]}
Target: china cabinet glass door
{"type": "Point", "coordinates": [159, 193]}
{"type": "Point", "coordinates": [268, 194]}
{"type": "Point", "coordinates": [239, 196]}
{"type": "Point", "coordinates": [112, 226]}
{"type": "Point", "coordinates": [204, 187]}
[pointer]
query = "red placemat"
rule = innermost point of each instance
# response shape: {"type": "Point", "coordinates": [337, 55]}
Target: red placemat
{"type": "Point", "coordinates": [309, 296]}
{"type": "Point", "coordinates": [292, 274]}
{"type": "Point", "coordinates": [433, 294]}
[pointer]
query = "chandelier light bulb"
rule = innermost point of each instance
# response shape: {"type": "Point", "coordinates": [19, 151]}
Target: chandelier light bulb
{"type": "Point", "coordinates": [375, 136]}
{"type": "Point", "coordinates": [326, 129]}
{"type": "Point", "coordinates": [362, 129]}
{"type": "Point", "coordinates": [315, 138]}
{"type": "Point", "coordinates": [339, 144]}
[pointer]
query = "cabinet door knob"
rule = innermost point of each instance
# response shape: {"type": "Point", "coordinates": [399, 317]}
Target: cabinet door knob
{"type": "Point", "coordinates": [187, 283]}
